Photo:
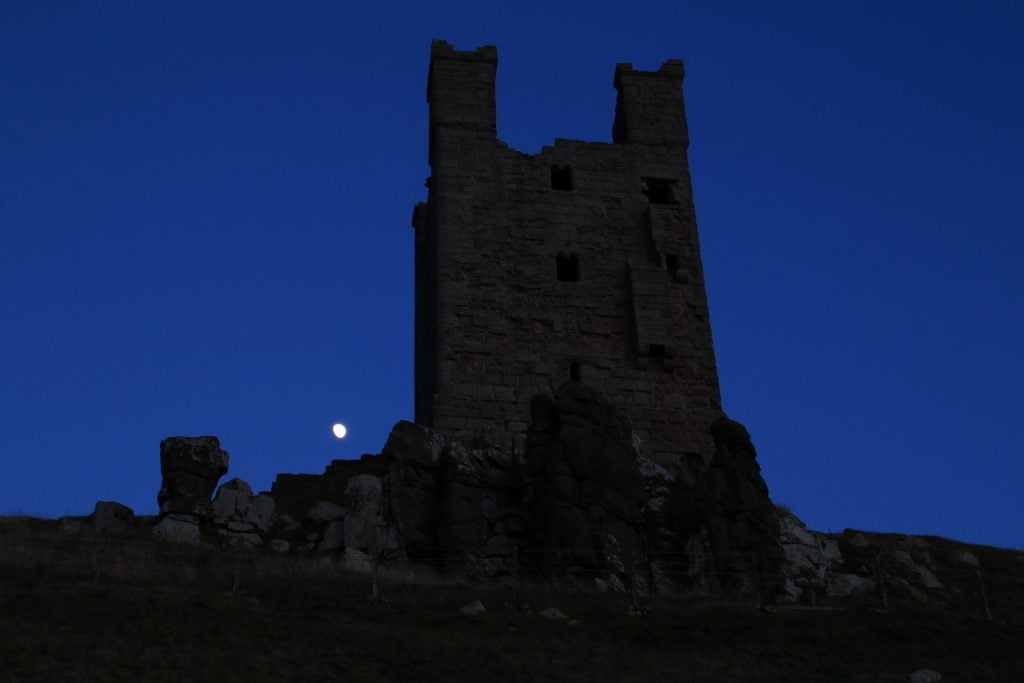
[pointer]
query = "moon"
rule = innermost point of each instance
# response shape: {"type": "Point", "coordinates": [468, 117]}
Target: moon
{"type": "Point", "coordinates": [339, 430]}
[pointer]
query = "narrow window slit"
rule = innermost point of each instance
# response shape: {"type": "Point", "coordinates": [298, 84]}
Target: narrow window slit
{"type": "Point", "coordinates": [561, 177]}
{"type": "Point", "coordinates": [574, 371]}
{"type": "Point", "coordinates": [656, 353]}
{"type": "Point", "coordinates": [567, 267]}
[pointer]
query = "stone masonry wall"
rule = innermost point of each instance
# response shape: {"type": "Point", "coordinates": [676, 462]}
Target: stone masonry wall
{"type": "Point", "coordinates": [581, 261]}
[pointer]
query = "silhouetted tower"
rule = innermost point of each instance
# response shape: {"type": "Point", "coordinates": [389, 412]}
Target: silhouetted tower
{"type": "Point", "coordinates": [579, 262]}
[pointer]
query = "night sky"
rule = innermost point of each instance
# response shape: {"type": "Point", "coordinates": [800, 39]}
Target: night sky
{"type": "Point", "coordinates": [205, 229]}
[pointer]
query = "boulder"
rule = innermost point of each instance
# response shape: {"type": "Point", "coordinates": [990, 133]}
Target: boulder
{"type": "Point", "coordinates": [235, 504]}
{"type": "Point", "coordinates": [190, 467]}
{"type": "Point", "coordinates": [324, 511]}
{"type": "Point", "coordinates": [178, 528]}
{"type": "Point", "coordinates": [112, 517]}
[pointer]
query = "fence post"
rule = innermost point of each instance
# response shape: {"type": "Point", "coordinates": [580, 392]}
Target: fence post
{"type": "Point", "coordinates": [881, 580]}
{"type": "Point", "coordinates": [984, 596]}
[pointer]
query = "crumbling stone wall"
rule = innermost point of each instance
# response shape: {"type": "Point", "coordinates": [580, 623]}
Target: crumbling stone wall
{"type": "Point", "coordinates": [579, 262]}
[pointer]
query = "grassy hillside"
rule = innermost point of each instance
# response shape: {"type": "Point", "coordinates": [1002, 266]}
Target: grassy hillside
{"type": "Point", "coordinates": [85, 607]}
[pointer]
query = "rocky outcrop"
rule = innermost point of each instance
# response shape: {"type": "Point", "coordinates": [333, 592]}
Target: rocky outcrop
{"type": "Point", "coordinates": [852, 564]}
{"type": "Point", "coordinates": [178, 528]}
{"type": "Point", "coordinates": [110, 517]}
{"type": "Point", "coordinates": [241, 517]}
{"type": "Point", "coordinates": [572, 500]}
{"type": "Point", "coordinates": [190, 467]}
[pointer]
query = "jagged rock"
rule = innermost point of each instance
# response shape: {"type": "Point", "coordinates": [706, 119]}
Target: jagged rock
{"type": "Point", "coordinates": [921, 572]}
{"type": "Point", "coordinates": [414, 454]}
{"type": "Point", "coordinates": [178, 528]}
{"type": "Point", "coordinates": [279, 545]}
{"type": "Point", "coordinates": [325, 511]}
{"type": "Point", "coordinates": [809, 556]}
{"type": "Point", "coordinates": [585, 492]}
{"type": "Point", "coordinates": [472, 609]}
{"type": "Point", "coordinates": [742, 520]}
{"type": "Point", "coordinates": [235, 505]}
{"type": "Point", "coordinates": [925, 676]}
{"type": "Point", "coordinates": [112, 517]}
{"type": "Point", "coordinates": [575, 484]}
{"type": "Point", "coordinates": [190, 467]}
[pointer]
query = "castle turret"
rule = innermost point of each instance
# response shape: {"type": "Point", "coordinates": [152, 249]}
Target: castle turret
{"type": "Point", "coordinates": [460, 91]}
{"type": "Point", "coordinates": [649, 109]}
{"type": "Point", "coordinates": [580, 262]}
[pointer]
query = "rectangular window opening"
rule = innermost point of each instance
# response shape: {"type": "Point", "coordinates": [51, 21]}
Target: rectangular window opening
{"type": "Point", "coordinates": [567, 267]}
{"type": "Point", "coordinates": [574, 371]}
{"type": "Point", "coordinates": [656, 353]}
{"type": "Point", "coordinates": [561, 177]}
{"type": "Point", "coordinates": [661, 191]}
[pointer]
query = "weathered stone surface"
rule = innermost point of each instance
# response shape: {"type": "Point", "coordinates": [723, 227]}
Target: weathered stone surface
{"type": "Point", "coordinates": [190, 467]}
{"type": "Point", "coordinates": [584, 491]}
{"type": "Point", "coordinates": [925, 676]}
{"type": "Point", "coordinates": [575, 486]}
{"type": "Point", "coordinates": [552, 613]}
{"type": "Point", "coordinates": [279, 545]}
{"type": "Point", "coordinates": [809, 557]}
{"type": "Point", "coordinates": [112, 517]}
{"type": "Point", "coordinates": [295, 494]}
{"type": "Point", "coordinates": [919, 571]}
{"type": "Point", "coordinates": [414, 455]}
{"type": "Point", "coordinates": [525, 277]}
{"type": "Point", "coordinates": [842, 585]}
{"type": "Point", "coordinates": [334, 536]}
{"type": "Point", "coordinates": [235, 505]}
{"type": "Point", "coordinates": [324, 511]}
{"type": "Point", "coordinates": [364, 521]}
{"type": "Point", "coordinates": [178, 528]}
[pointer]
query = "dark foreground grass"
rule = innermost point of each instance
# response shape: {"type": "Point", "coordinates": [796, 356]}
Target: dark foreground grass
{"type": "Point", "coordinates": [59, 623]}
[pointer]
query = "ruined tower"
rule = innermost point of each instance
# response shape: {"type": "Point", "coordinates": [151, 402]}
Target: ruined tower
{"type": "Point", "coordinates": [580, 262]}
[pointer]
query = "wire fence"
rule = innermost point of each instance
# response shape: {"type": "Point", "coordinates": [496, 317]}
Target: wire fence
{"type": "Point", "coordinates": [753, 578]}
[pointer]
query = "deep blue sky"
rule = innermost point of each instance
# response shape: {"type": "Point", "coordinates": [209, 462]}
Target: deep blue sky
{"type": "Point", "coordinates": [204, 229]}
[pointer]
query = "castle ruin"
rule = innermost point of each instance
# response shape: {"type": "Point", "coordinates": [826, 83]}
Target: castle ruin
{"type": "Point", "coordinates": [580, 262]}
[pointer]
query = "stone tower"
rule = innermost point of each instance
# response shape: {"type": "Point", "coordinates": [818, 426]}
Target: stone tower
{"type": "Point", "coordinates": [580, 262]}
